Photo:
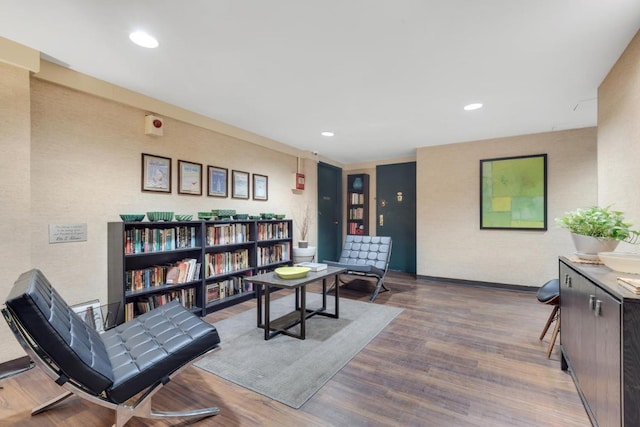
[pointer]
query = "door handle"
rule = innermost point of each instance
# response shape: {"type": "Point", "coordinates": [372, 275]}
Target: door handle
{"type": "Point", "coordinates": [381, 220]}
{"type": "Point", "coordinates": [592, 302]}
{"type": "Point", "coordinates": [598, 308]}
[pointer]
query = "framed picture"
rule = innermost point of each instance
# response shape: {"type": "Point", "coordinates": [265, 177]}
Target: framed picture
{"type": "Point", "coordinates": [239, 185]}
{"type": "Point", "coordinates": [217, 181]}
{"type": "Point", "coordinates": [260, 187]}
{"type": "Point", "coordinates": [156, 173]}
{"type": "Point", "coordinates": [513, 193]}
{"type": "Point", "coordinates": [189, 178]}
{"type": "Point", "coordinates": [90, 313]}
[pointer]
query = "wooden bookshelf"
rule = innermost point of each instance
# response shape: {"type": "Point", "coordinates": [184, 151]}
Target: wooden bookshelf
{"type": "Point", "coordinates": [201, 263]}
{"type": "Point", "coordinates": [358, 204]}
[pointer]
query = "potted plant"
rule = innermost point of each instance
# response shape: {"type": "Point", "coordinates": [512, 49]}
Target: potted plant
{"type": "Point", "coordinates": [597, 229]}
{"type": "Point", "coordinates": [303, 252]}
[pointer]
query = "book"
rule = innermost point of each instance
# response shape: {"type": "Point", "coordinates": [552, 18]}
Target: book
{"type": "Point", "coordinates": [314, 266]}
{"type": "Point", "coordinates": [632, 285]}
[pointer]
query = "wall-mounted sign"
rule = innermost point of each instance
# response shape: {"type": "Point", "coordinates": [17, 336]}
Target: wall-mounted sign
{"type": "Point", "coordinates": [67, 233]}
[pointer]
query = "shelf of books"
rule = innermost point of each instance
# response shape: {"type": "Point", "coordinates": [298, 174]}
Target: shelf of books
{"type": "Point", "coordinates": [203, 264]}
{"type": "Point", "coordinates": [228, 259]}
{"type": "Point", "coordinates": [358, 204]}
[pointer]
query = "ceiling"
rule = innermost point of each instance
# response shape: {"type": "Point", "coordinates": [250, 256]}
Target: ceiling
{"type": "Point", "coordinates": [385, 76]}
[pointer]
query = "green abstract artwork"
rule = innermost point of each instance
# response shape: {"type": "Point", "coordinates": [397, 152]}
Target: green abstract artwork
{"type": "Point", "coordinates": [513, 193]}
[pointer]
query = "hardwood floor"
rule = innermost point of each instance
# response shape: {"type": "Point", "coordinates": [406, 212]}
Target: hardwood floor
{"type": "Point", "coordinates": [456, 356]}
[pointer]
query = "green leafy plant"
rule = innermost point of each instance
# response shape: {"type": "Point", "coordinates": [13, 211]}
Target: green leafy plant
{"type": "Point", "coordinates": [599, 222]}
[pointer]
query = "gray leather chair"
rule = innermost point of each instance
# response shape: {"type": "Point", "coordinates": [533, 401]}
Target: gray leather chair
{"type": "Point", "coordinates": [109, 369]}
{"type": "Point", "coordinates": [366, 256]}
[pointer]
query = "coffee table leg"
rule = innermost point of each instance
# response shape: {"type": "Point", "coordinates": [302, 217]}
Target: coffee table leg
{"type": "Point", "coordinates": [259, 301]}
{"type": "Point", "coordinates": [303, 311]}
{"type": "Point", "coordinates": [337, 298]}
{"type": "Point", "coordinates": [267, 323]}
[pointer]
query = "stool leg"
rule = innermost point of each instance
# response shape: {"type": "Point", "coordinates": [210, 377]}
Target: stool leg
{"type": "Point", "coordinates": [549, 321]}
{"type": "Point", "coordinates": [553, 337]}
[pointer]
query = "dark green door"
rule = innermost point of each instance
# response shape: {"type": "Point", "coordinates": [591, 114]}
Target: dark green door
{"type": "Point", "coordinates": [329, 212]}
{"type": "Point", "coordinates": [396, 212]}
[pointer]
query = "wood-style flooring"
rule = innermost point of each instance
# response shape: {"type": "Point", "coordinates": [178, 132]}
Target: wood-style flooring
{"type": "Point", "coordinates": [456, 356]}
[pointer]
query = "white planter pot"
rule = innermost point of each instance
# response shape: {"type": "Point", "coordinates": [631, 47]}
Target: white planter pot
{"type": "Point", "coordinates": [304, 254]}
{"type": "Point", "coordinates": [587, 247]}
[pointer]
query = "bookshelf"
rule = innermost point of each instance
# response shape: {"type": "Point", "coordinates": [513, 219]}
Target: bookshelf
{"type": "Point", "coordinates": [201, 263]}
{"type": "Point", "coordinates": [358, 204]}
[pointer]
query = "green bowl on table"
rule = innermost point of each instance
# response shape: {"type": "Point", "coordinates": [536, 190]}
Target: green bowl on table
{"type": "Point", "coordinates": [184, 217]}
{"type": "Point", "coordinates": [292, 272]}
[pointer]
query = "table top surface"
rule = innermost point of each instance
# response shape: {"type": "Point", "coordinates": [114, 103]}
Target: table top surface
{"type": "Point", "coordinates": [272, 279]}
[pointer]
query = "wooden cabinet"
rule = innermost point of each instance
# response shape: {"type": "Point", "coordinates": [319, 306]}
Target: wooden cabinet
{"type": "Point", "coordinates": [600, 342]}
{"type": "Point", "coordinates": [202, 263]}
{"type": "Point", "coordinates": [358, 201]}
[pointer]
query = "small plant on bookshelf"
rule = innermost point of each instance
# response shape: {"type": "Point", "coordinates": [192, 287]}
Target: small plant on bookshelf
{"type": "Point", "coordinates": [303, 227]}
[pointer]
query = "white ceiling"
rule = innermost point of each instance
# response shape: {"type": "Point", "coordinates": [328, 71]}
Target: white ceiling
{"type": "Point", "coordinates": [386, 76]}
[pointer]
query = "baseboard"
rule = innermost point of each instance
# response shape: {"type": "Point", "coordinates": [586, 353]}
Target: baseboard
{"type": "Point", "coordinates": [15, 366]}
{"type": "Point", "coordinates": [479, 284]}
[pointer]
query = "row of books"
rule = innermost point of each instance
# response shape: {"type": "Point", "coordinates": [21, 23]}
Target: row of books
{"type": "Point", "coordinates": [144, 240]}
{"type": "Point", "coordinates": [226, 234]}
{"type": "Point", "coordinates": [187, 298]}
{"type": "Point", "coordinates": [226, 262]}
{"type": "Point", "coordinates": [276, 230]}
{"type": "Point", "coordinates": [274, 253]}
{"type": "Point", "coordinates": [226, 288]}
{"type": "Point", "coordinates": [355, 228]}
{"type": "Point", "coordinates": [183, 271]}
{"type": "Point", "coordinates": [356, 198]}
{"type": "Point", "coordinates": [356, 213]}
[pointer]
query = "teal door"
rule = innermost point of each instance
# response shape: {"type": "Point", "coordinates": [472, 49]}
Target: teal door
{"type": "Point", "coordinates": [396, 212]}
{"type": "Point", "coordinates": [329, 212]}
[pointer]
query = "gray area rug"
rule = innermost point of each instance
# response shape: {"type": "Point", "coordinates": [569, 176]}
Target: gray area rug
{"type": "Point", "coordinates": [287, 369]}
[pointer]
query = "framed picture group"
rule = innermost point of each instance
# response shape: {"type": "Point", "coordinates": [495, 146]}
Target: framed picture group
{"type": "Point", "coordinates": [156, 177]}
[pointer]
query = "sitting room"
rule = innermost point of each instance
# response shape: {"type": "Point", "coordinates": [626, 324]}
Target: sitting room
{"type": "Point", "coordinates": [321, 189]}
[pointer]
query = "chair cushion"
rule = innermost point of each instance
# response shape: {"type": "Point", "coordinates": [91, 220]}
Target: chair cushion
{"type": "Point", "coordinates": [362, 251]}
{"type": "Point", "coordinates": [549, 291]}
{"type": "Point", "coordinates": [152, 346]}
{"type": "Point", "coordinates": [75, 347]}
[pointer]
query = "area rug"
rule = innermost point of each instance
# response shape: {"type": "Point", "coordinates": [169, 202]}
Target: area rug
{"type": "Point", "coordinates": [287, 369]}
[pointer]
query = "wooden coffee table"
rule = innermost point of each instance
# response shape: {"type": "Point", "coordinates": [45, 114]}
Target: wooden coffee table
{"type": "Point", "coordinates": [263, 284]}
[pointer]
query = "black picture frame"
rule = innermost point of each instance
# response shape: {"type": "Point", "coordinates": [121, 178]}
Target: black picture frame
{"type": "Point", "coordinates": [513, 193]}
{"type": "Point", "coordinates": [217, 181]}
{"type": "Point", "coordinates": [239, 184]}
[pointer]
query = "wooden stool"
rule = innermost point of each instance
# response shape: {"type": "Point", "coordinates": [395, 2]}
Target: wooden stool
{"type": "Point", "coordinates": [549, 293]}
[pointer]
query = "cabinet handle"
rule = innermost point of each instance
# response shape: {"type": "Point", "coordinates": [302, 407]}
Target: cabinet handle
{"type": "Point", "coordinates": [567, 280]}
{"type": "Point", "coordinates": [598, 308]}
{"type": "Point", "coordinates": [592, 302]}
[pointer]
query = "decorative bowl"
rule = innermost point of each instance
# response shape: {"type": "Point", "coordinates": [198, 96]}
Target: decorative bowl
{"type": "Point", "coordinates": [160, 216]}
{"type": "Point", "coordinates": [241, 216]}
{"type": "Point", "coordinates": [226, 212]}
{"type": "Point", "coordinates": [132, 217]}
{"type": "Point", "coordinates": [292, 272]}
{"type": "Point", "coordinates": [255, 217]}
{"type": "Point", "coordinates": [204, 215]}
{"type": "Point", "coordinates": [184, 217]}
{"type": "Point", "coordinates": [266, 215]}
{"type": "Point", "coordinates": [623, 262]}
{"type": "Point", "coordinates": [280, 216]}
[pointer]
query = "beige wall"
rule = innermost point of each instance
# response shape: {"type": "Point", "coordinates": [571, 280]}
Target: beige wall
{"type": "Point", "coordinates": [72, 157]}
{"type": "Point", "coordinates": [619, 137]}
{"type": "Point", "coordinates": [449, 240]}
{"type": "Point", "coordinates": [15, 167]}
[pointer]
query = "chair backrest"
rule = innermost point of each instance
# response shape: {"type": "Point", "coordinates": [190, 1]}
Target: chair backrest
{"type": "Point", "coordinates": [75, 347]}
{"type": "Point", "coordinates": [366, 250]}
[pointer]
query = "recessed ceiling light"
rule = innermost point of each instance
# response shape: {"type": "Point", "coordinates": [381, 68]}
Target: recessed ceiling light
{"type": "Point", "coordinates": [327, 133]}
{"type": "Point", "coordinates": [474, 106]}
{"type": "Point", "coordinates": [143, 39]}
